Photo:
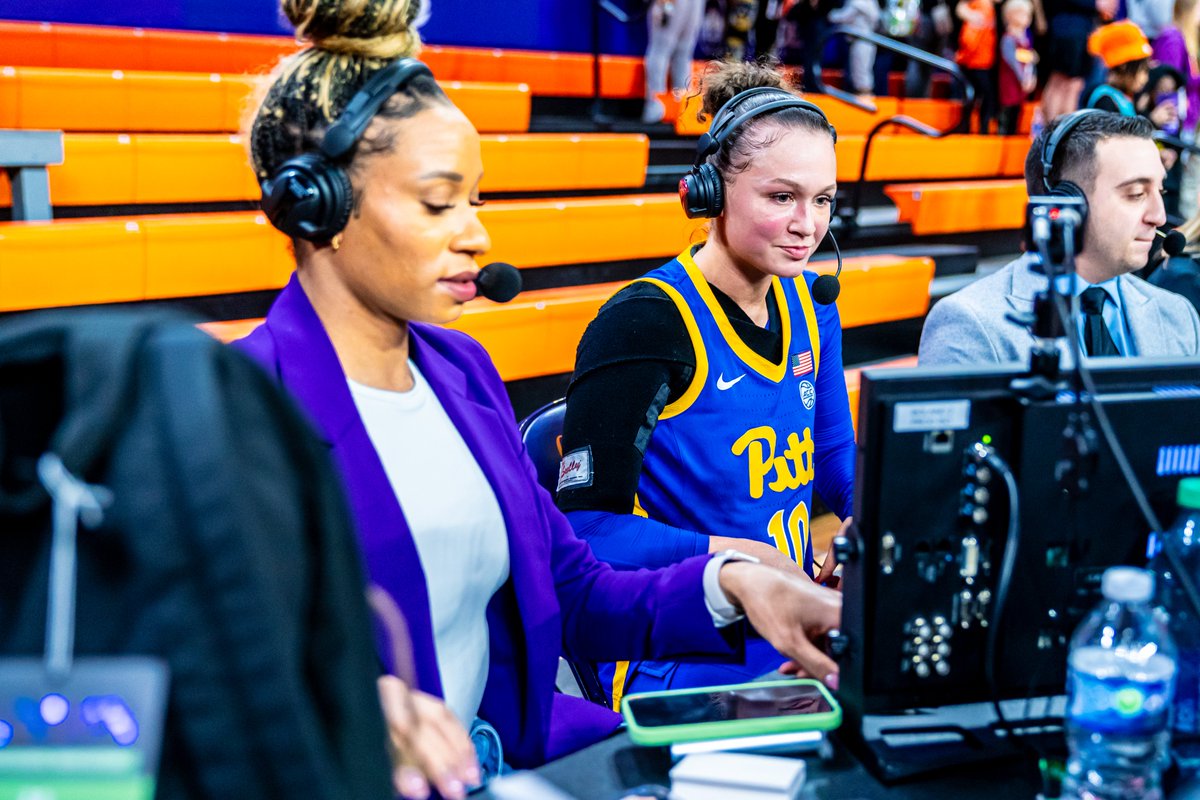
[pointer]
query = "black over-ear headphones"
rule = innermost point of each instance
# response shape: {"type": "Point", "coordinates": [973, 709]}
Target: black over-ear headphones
{"type": "Point", "coordinates": [309, 196]}
{"type": "Point", "coordinates": [1050, 149]}
{"type": "Point", "coordinates": [701, 190]}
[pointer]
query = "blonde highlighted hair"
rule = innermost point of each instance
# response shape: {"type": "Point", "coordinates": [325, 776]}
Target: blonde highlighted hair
{"type": "Point", "coordinates": [348, 41]}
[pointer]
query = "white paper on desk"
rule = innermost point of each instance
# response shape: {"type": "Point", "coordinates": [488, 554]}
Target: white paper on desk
{"type": "Point", "coordinates": [737, 775]}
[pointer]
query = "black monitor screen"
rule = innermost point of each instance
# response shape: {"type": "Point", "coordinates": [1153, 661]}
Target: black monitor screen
{"type": "Point", "coordinates": [931, 521]}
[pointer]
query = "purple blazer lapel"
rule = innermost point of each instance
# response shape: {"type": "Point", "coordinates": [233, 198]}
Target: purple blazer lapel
{"type": "Point", "coordinates": [310, 369]}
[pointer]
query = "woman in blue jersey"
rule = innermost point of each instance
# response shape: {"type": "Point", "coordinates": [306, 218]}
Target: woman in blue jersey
{"type": "Point", "coordinates": [708, 399]}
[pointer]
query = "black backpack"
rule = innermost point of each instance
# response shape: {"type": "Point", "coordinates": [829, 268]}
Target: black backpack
{"type": "Point", "coordinates": [227, 551]}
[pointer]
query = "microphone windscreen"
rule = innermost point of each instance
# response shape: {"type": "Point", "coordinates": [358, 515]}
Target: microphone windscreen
{"type": "Point", "coordinates": [1174, 243]}
{"type": "Point", "coordinates": [825, 289]}
{"type": "Point", "coordinates": [499, 282]}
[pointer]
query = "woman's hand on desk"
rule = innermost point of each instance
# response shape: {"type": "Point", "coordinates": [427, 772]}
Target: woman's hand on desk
{"type": "Point", "coordinates": [428, 744]}
{"type": "Point", "coordinates": [787, 610]}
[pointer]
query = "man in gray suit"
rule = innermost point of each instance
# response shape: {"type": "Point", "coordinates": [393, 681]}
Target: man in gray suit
{"type": "Point", "coordinates": [1115, 163]}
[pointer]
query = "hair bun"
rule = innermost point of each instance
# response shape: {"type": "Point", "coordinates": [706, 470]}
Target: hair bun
{"type": "Point", "coordinates": [725, 80]}
{"type": "Point", "coordinates": [364, 28]}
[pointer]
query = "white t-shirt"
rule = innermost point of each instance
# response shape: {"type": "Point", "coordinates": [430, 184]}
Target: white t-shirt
{"type": "Point", "coordinates": [455, 522]}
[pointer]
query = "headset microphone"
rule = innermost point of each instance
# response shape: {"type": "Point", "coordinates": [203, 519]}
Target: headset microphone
{"type": "Point", "coordinates": [826, 288]}
{"type": "Point", "coordinates": [1173, 243]}
{"type": "Point", "coordinates": [499, 282]}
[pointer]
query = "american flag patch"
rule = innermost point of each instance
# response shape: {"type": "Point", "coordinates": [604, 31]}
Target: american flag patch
{"type": "Point", "coordinates": [802, 363]}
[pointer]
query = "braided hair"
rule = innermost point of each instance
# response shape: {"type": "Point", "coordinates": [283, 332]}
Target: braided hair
{"type": "Point", "coordinates": [348, 41]}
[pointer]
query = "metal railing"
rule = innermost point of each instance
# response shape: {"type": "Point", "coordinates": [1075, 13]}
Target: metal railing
{"type": "Point", "coordinates": [622, 15]}
{"type": "Point", "coordinates": [848, 212]}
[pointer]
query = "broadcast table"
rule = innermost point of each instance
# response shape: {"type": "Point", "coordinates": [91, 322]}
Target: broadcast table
{"type": "Point", "coordinates": [606, 769]}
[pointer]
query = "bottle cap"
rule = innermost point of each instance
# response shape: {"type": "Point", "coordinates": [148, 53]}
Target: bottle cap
{"type": "Point", "coordinates": [1127, 585]}
{"type": "Point", "coordinates": [1189, 493]}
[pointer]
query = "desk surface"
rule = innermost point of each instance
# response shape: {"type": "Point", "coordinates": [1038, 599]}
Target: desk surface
{"type": "Point", "coordinates": [604, 770]}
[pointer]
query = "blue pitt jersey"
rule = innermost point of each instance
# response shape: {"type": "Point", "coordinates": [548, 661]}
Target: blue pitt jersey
{"type": "Point", "coordinates": [734, 455]}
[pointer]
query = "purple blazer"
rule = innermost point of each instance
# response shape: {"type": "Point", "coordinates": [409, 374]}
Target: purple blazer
{"type": "Point", "coordinates": [558, 594]}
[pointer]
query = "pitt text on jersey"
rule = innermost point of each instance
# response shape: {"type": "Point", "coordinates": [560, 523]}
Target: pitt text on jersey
{"type": "Point", "coordinates": [788, 471]}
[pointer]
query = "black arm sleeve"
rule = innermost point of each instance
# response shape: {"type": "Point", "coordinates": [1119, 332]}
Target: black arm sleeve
{"type": "Point", "coordinates": [633, 359]}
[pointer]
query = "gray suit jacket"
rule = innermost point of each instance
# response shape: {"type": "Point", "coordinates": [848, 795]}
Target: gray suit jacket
{"type": "Point", "coordinates": [969, 327]}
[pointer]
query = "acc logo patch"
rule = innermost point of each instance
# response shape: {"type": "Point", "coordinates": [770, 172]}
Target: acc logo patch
{"type": "Point", "coordinates": [808, 394]}
{"type": "Point", "coordinates": [575, 469]}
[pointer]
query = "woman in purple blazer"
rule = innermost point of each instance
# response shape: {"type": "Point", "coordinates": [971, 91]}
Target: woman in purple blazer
{"type": "Point", "coordinates": [375, 175]}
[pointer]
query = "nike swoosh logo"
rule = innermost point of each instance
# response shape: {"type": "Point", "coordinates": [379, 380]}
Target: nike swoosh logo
{"type": "Point", "coordinates": [723, 384]}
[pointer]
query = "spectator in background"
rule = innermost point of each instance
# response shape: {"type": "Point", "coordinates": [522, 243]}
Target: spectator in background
{"type": "Point", "coordinates": [861, 16]}
{"type": "Point", "coordinates": [1165, 88]}
{"type": "Point", "coordinates": [1125, 52]}
{"type": "Point", "coordinates": [977, 53]}
{"type": "Point", "coordinates": [1017, 74]}
{"type": "Point", "coordinates": [1070, 23]}
{"type": "Point", "coordinates": [766, 27]}
{"type": "Point", "coordinates": [810, 18]}
{"type": "Point", "coordinates": [740, 16]}
{"type": "Point", "coordinates": [1176, 47]}
{"type": "Point", "coordinates": [674, 28]}
{"type": "Point", "coordinates": [1164, 84]}
{"type": "Point", "coordinates": [932, 33]}
{"type": "Point", "coordinates": [1152, 16]}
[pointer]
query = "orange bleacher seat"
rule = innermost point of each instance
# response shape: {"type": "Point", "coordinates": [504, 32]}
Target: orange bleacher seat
{"type": "Point", "coordinates": [547, 73]}
{"type": "Point", "coordinates": [117, 100]}
{"type": "Point", "coordinates": [536, 233]}
{"type": "Point", "coordinates": [940, 114]}
{"type": "Point", "coordinates": [1015, 150]}
{"type": "Point", "coordinates": [563, 162]}
{"type": "Point", "coordinates": [33, 44]}
{"type": "Point", "coordinates": [904, 155]}
{"type": "Point", "coordinates": [78, 262]}
{"type": "Point", "coordinates": [854, 379]}
{"type": "Point", "coordinates": [960, 206]}
{"type": "Point", "coordinates": [124, 169]}
{"type": "Point", "coordinates": [911, 157]}
{"type": "Point", "coordinates": [198, 254]}
{"type": "Point", "coordinates": [46, 264]}
{"type": "Point", "coordinates": [43, 44]}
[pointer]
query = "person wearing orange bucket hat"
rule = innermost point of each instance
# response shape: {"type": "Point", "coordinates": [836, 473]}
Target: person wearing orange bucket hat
{"type": "Point", "coordinates": [1125, 51]}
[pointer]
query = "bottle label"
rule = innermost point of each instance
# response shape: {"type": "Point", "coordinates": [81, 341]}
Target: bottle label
{"type": "Point", "coordinates": [1132, 702]}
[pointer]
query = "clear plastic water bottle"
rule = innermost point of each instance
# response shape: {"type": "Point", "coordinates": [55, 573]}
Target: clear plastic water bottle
{"type": "Point", "coordinates": [1183, 539]}
{"type": "Point", "coordinates": [1121, 672]}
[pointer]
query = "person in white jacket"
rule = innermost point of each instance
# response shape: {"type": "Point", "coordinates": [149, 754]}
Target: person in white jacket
{"type": "Point", "coordinates": [674, 30]}
{"type": "Point", "coordinates": [862, 16]}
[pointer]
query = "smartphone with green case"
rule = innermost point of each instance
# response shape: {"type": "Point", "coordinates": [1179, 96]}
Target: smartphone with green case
{"type": "Point", "coordinates": [719, 712]}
